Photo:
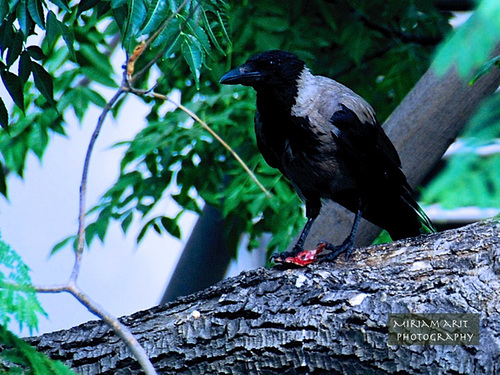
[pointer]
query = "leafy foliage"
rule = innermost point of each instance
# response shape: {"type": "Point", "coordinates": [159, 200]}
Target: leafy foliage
{"type": "Point", "coordinates": [18, 302]}
{"type": "Point", "coordinates": [469, 178]}
{"type": "Point", "coordinates": [54, 70]}
{"type": "Point", "coordinates": [379, 48]}
{"type": "Point", "coordinates": [18, 357]}
{"type": "Point", "coordinates": [480, 34]}
{"type": "Point", "coordinates": [481, 187]}
{"type": "Point", "coordinates": [389, 61]}
{"type": "Point", "coordinates": [17, 297]}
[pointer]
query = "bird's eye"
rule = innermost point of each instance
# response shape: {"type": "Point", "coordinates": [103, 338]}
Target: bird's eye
{"type": "Point", "coordinates": [274, 63]}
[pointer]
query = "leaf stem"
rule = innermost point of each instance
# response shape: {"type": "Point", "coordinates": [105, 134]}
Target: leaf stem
{"type": "Point", "coordinates": [217, 137]}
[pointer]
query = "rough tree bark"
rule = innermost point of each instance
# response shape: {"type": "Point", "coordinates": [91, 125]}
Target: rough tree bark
{"type": "Point", "coordinates": [324, 319]}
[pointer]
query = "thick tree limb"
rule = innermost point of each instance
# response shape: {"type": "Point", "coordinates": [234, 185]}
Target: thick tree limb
{"type": "Point", "coordinates": [327, 318]}
{"type": "Point", "coordinates": [422, 127]}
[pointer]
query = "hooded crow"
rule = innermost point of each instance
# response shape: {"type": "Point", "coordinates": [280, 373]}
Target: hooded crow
{"type": "Point", "coordinates": [326, 140]}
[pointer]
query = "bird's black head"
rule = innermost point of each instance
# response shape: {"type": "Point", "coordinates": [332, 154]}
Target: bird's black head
{"type": "Point", "coordinates": [269, 69]}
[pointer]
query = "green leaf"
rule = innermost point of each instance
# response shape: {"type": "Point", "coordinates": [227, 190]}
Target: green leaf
{"type": "Point", "coordinates": [144, 230]}
{"type": "Point", "coordinates": [62, 244]}
{"type": "Point", "coordinates": [78, 101]}
{"type": "Point", "coordinates": [200, 35]}
{"type": "Point", "coordinates": [54, 30]}
{"type": "Point", "coordinates": [7, 31]}
{"type": "Point", "coordinates": [69, 38]}
{"type": "Point", "coordinates": [211, 35]}
{"type": "Point", "coordinates": [23, 18]}
{"type": "Point", "coordinates": [193, 54]}
{"type": "Point", "coordinates": [158, 11]}
{"type": "Point", "coordinates": [125, 224]}
{"type": "Point", "coordinates": [223, 26]}
{"type": "Point", "coordinates": [94, 58]}
{"type": "Point", "coordinates": [102, 223]}
{"type": "Point", "coordinates": [171, 226]}
{"type": "Point", "coordinates": [118, 3]}
{"type": "Point", "coordinates": [169, 34]}
{"type": "Point", "coordinates": [4, 121]}
{"type": "Point", "coordinates": [15, 49]}
{"type": "Point", "coordinates": [4, 10]}
{"type": "Point", "coordinates": [16, 292]}
{"type": "Point", "coordinates": [35, 52]}
{"type": "Point", "coordinates": [24, 359]}
{"type": "Point", "coordinates": [485, 69]}
{"type": "Point", "coordinates": [43, 82]}
{"type": "Point", "coordinates": [24, 67]}
{"type": "Point", "coordinates": [135, 19]}
{"type": "Point", "coordinates": [13, 85]}
{"type": "Point", "coordinates": [35, 9]}
{"type": "Point", "coordinates": [38, 140]}
{"type": "Point", "coordinates": [469, 47]}
{"type": "Point", "coordinates": [97, 75]}
{"type": "Point", "coordinates": [85, 5]}
{"type": "Point", "coordinates": [157, 228]}
{"type": "Point", "coordinates": [94, 97]}
{"type": "Point", "coordinates": [3, 181]}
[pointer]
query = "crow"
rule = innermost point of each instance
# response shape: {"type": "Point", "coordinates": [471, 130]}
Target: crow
{"type": "Point", "coordinates": [325, 139]}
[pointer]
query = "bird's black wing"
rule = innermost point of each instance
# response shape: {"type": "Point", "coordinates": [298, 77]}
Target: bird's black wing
{"type": "Point", "coordinates": [363, 140]}
{"type": "Point", "coordinates": [386, 195]}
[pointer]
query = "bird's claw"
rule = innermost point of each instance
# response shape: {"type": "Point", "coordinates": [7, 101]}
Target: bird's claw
{"type": "Point", "coordinates": [280, 257]}
{"type": "Point", "coordinates": [335, 250]}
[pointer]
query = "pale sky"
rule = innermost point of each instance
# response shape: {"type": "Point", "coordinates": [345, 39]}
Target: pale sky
{"type": "Point", "coordinates": [43, 209]}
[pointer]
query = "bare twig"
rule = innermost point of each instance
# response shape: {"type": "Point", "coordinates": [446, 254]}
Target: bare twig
{"type": "Point", "coordinates": [71, 287]}
{"type": "Point", "coordinates": [83, 185]}
{"type": "Point", "coordinates": [120, 329]}
{"type": "Point", "coordinates": [215, 135]}
{"type": "Point", "coordinates": [223, 143]}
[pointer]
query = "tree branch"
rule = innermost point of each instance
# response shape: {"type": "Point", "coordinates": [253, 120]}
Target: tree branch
{"type": "Point", "coordinates": [327, 318]}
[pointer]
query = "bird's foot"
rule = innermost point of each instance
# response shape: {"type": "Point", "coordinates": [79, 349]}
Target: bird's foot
{"type": "Point", "coordinates": [300, 258]}
{"type": "Point", "coordinates": [335, 250]}
{"type": "Point", "coordinates": [280, 257]}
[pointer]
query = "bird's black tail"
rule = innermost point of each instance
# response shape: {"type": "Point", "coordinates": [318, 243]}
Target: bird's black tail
{"type": "Point", "coordinates": [426, 225]}
{"type": "Point", "coordinates": [399, 214]}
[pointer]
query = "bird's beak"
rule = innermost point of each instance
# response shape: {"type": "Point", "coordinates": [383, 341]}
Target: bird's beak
{"type": "Point", "coordinates": [244, 75]}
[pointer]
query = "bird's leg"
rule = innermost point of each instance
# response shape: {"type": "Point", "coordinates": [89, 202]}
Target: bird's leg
{"type": "Point", "coordinates": [347, 246]}
{"type": "Point", "coordinates": [299, 246]}
{"type": "Point", "coordinates": [312, 212]}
